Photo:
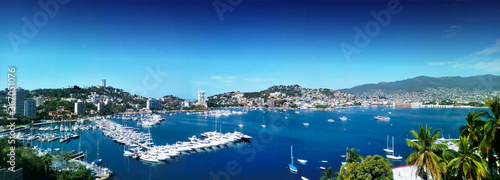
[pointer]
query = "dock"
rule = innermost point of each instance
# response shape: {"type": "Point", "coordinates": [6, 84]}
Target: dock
{"type": "Point", "coordinates": [77, 155]}
{"type": "Point", "coordinates": [99, 171]}
{"type": "Point", "coordinates": [142, 145]}
{"type": "Point", "coordinates": [53, 122]}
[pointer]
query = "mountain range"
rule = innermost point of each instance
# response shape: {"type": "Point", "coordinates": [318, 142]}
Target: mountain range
{"type": "Point", "coordinates": [481, 82]}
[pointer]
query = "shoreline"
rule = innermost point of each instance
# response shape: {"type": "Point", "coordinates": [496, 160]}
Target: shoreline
{"type": "Point", "coordinates": [312, 109]}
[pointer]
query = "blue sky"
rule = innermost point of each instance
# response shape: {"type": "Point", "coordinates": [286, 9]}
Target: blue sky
{"type": "Point", "coordinates": [156, 48]}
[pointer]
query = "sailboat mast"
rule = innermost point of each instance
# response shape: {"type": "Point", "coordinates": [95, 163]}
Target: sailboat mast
{"type": "Point", "coordinates": [393, 144]}
{"type": "Point", "coordinates": [291, 154]}
{"type": "Point", "coordinates": [387, 141]}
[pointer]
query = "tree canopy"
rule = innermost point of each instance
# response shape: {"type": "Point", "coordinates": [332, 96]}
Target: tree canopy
{"type": "Point", "coordinates": [372, 167]}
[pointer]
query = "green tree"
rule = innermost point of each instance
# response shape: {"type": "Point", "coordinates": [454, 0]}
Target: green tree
{"type": "Point", "coordinates": [353, 155]}
{"type": "Point", "coordinates": [47, 161]}
{"type": "Point", "coordinates": [66, 157]}
{"type": "Point", "coordinates": [490, 144]}
{"type": "Point", "coordinates": [373, 167]}
{"type": "Point", "coordinates": [327, 174]}
{"type": "Point", "coordinates": [468, 164]}
{"type": "Point", "coordinates": [474, 127]}
{"type": "Point", "coordinates": [426, 153]}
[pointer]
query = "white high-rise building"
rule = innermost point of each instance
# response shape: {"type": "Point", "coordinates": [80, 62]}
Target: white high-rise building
{"type": "Point", "coordinates": [29, 107]}
{"type": "Point", "coordinates": [79, 108]}
{"type": "Point", "coordinates": [20, 96]}
{"type": "Point", "coordinates": [100, 106]}
{"type": "Point", "coordinates": [103, 82]}
{"type": "Point", "coordinates": [153, 104]}
{"type": "Point", "coordinates": [202, 99]}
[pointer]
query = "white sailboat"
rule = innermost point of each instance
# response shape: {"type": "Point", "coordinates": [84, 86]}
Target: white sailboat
{"type": "Point", "coordinates": [97, 161]}
{"type": "Point", "coordinates": [264, 123]}
{"type": "Point", "coordinates": [387, 148]}
{"type": "Point", "coordinates": [392, 156]}
{"type": "Point", "coordinates": [240, 125]}
{"type": "Point", "coordinates": [292, 168]}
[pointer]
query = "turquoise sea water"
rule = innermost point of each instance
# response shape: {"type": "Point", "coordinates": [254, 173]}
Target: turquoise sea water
{"type": "Point", "coordinates": [268, 154]}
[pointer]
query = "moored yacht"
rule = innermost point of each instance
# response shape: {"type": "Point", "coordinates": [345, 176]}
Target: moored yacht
{"type": "Point", "coordinates": [382, 118]}
{"type": "Point", "coordinates": [302, 161]}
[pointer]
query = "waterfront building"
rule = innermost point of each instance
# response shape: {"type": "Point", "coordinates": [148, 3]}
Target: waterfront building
{"type": "Point", "coordinates": [260, 102]}
{"type": "Point", "coordinates": [79, 108]}
{"type": "Point", "coordinates": [153, 103]}
{"type": "Point", "coordinates": [20, 97]}
{"type": "Point", "coordinates": [270, 103]}
{"type": "Point", "coordinates": [185, 103]}
{"type": "Point", "coordinates": [202, 99]}
{"type": "Point", "coordinates": [39, 101]}
{"type": "Point", "coordinates": [100, 106]}
{"type": "Point", "coordinates": [29, 107]}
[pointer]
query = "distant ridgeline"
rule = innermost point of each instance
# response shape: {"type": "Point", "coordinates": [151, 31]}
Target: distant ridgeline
{"type": "Point", "coordinates": [473, 83]}
{"type": "Point", "coordinates": [458, 89]}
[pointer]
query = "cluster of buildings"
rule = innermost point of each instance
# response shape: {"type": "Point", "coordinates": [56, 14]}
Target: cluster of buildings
{"type": "Point", "coordinates": [202, 101]}
{"type": "Point", "coordinates": [25, 106]}
{"type": "Point", "coordinates": [426, 96]}
{"type": "Point", "coordinates": [303, 98]}
{"type": "Point", "coordinates": [287, 97]}
{"type": "Point", "coordinates": [156, 103]}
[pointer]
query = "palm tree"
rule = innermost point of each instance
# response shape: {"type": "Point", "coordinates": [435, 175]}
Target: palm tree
{"type": "Point", "coordinates": [474, 127]}
{"type": "Point", "coordinates": [47, 161]}
{"type": "Point", "coordinates": [327, 174]}
{"type": "Point", "coordinates": [353, 155]}
{"type": "Point", "coordinates": [489, 144]}
{"type": "Point", "coordinates": [426, 153]}
{"type": "Point", "coordinates": [66, 157]}
{"type": "Point", "coordinates": [468, 164]}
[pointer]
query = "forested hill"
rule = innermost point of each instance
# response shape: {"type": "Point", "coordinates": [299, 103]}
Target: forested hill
{"type": "Point", "coordinates": [483, 82]}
